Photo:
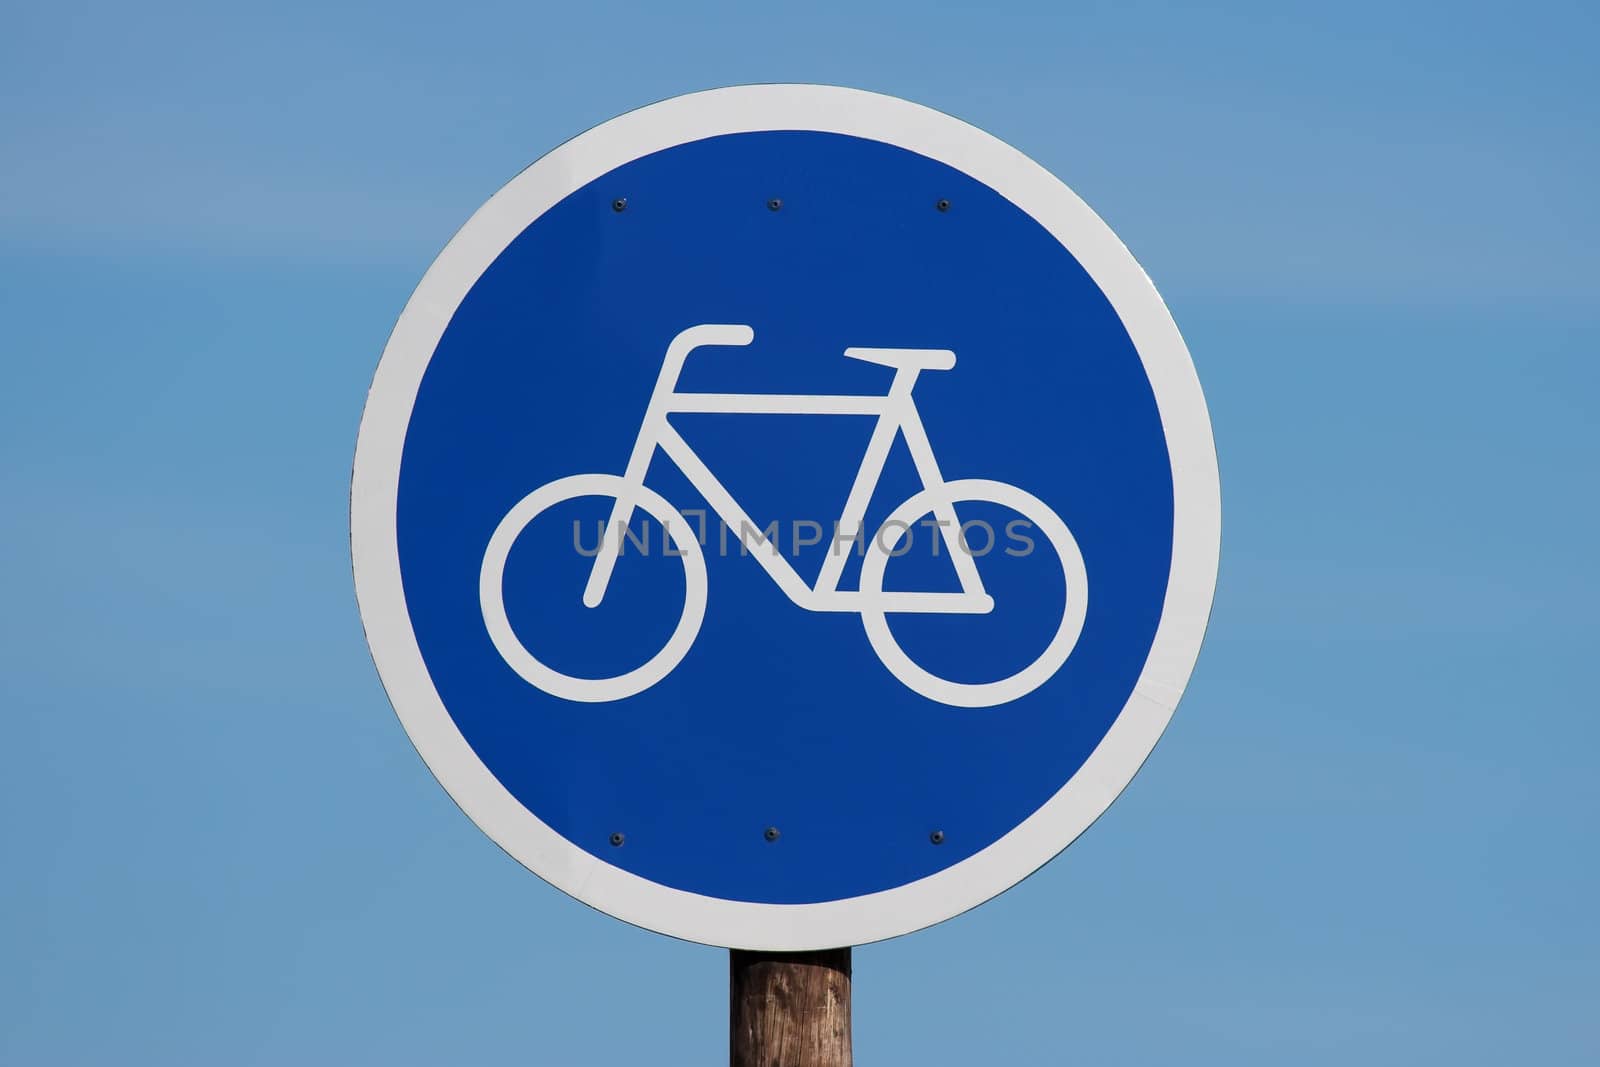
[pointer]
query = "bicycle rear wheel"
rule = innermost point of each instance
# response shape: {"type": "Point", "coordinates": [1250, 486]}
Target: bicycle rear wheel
{"type": "Point", "coordinates": [1075, 604]}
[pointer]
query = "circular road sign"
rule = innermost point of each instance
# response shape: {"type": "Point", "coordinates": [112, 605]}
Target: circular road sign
{"type": "Point", "coordinates": [785, 517]}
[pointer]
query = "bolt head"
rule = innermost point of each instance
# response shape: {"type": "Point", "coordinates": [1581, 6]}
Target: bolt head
{"type": "Point", "coordinates": [943, 205]}
{"type": "Point", "coordinates": [937, 837]}
{"type": "Point", "coordinates": [771, 833]}
{"type": "Point", "coordinates": [774, 204]}
{"type": "Point", "coordinates": [616, 840]}
{"type": "Point", "coordinates": [619, 204]}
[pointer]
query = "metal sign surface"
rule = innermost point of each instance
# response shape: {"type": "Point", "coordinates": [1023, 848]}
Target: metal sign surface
{"type": "Point", "coordinates": [785, 517]}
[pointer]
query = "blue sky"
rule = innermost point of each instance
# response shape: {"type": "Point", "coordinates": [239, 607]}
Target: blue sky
{"type": "Point", "coordinates": [1369, 833]}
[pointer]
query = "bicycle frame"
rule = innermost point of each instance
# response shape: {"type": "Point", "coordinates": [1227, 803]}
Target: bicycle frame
{"type": "Point", "coordinates": [896, 413]}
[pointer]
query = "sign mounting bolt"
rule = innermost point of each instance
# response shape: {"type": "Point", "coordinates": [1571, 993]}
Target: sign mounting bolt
{"type": "Point", "coordinates": [771, 833]}
{"type": "Point", "coordinates": [619, 204]}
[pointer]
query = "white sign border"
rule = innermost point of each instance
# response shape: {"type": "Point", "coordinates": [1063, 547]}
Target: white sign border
{"type": "Point", "coordinates": [742, 924]}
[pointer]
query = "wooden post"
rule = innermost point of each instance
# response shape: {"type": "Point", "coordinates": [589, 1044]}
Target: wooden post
{"type": "Point", "coordinates": [789, 1009]}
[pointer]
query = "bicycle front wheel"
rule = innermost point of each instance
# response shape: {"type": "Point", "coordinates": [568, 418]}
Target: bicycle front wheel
{"type": "Point", "coordinates": [491, 590]}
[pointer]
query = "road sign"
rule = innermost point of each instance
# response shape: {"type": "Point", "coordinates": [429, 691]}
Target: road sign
{"type": "Point", "coordinates": [785, 517]}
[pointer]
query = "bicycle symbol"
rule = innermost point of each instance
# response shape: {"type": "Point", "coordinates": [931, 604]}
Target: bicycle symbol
{"type": "Point", "coordinates": [897, 414]}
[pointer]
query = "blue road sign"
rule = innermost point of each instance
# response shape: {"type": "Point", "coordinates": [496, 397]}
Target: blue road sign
{"type": "Point", "coordinates": [785, 517]}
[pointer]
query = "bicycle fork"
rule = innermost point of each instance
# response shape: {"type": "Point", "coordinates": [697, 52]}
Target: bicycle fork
{"type": "Point", "coordinates": [644, 447]}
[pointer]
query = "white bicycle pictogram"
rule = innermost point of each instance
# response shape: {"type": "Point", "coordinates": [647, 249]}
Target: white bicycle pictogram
{"type": "Point", "coordinates": [897, 414]}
